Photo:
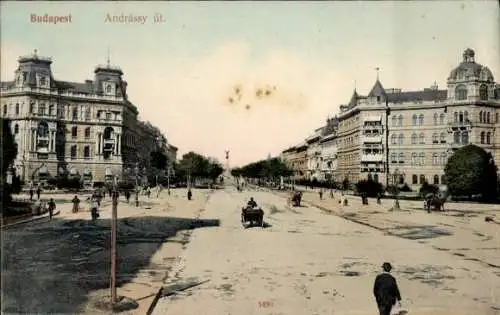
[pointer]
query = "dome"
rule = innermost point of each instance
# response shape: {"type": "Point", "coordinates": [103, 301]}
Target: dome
{"type": "Point", "coordinates": [468, 68]}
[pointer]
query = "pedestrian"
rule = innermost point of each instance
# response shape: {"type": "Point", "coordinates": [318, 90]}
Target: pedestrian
{"type": "Point", "coordinates": [321, 194]}
{"type": "Point", "coordinates": [38, 191]}
{"type": "Point", "coordinates": [386, 290]}
{"type": "Point", "coordinates": [127, 195]}
{"type": "Point", "coordinates": [52, 207]}
{"type": "Point", "coordinates": [148, 192]}
{"type": "Point", "coordinates": [31, 193]}
{"type": "Point", "coordinates": [190, 194]}
{"type": "Point", "coordinates": [76, 202]}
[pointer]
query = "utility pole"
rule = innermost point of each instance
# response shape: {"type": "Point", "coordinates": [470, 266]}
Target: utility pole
{"type": "Point", "coordinates": [114, 219]}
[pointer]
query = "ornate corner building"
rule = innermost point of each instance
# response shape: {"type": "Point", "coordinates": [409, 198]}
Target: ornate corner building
{"type": "Point", "coordinates": [89, 128]}
{"type": "Point", "coordinates": [410, 135]}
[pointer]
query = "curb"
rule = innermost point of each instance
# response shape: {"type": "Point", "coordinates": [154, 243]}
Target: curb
{"type": "Point", "coordinates": [33, 219]}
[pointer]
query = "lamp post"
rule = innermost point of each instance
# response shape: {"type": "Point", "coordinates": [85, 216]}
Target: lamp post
{"type": "Point", "coordinates": [136, 169]}
{"type": "Point", "coordinates": [114, 221]}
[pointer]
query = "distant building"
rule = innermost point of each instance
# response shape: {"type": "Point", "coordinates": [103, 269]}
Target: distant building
{"type": "Point", "coordinates": [425, 127]}
{"type": "Point", "coordinates": [89, 129]}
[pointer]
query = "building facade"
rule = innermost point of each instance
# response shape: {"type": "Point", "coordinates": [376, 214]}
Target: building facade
{"type": "Point", "coordinates": [89, 129]}
{"type": "Point", "coordinates": [410, 135]}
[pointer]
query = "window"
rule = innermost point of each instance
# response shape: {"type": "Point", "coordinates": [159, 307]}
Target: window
{"type": "Point", "coordinates": [461, 117]}
{"type": "Point", "coordinates": [401, 158]}
{"type": "Point", "coordinates": [482, 137]}
{"type": "Point", "coordinates": [5, 110]}
{"type": "Point", "coordinates": [394, 120]}
{"type": "Point", "coordinates": [394, 139]}
{"type": "Point", "coordinates": [108, 116]}
{"type": "Point", "coordinates": [422, 179]}
{"type": "Point", "coordinates": [444, 159]}
{"type": "Point", "coordinates": [461, 92]}
{"type": "Point", "coordinates": [421, 119]}
{"type": "Point", "coordinates": [488, 120]}
{"type": "Point", "coordinates": [441, 119]}
{"type": "Point", "coordinates": [455, 117]}
{"type": "Point", "coordinates": [442, 138]}
{"type": "Point", "coordinates": [17, 108]}
{"type": "Point", "coordinates": [400, 120]}
{"type": "Point", "coordinates": [87, 113]}
{"type": "Point", "coordinates": [421, 159]}
{"type": "Point", "coordinates": [394, 158]}
{"type": "Point", "coordinates": [75, 113]}
{"type": "Point", "coordinates": [435, 159]}
{"type": "Point", "coordinates": [73, 151]}
{"type": "Point", "coordinates": [414, 119]}
{"type": "Point", "coordinates": [74, 131]}
{"type": "Point", "coordinates": [378, 98]}
{"type": "Point", "coordinates": [16, 129]}
{"type": "Point", "coordinates": [456, 137]}
{"type": "Point", "coordinates": [483, 93]}
{"type": "Point", "coordinates": [51, 110]}
{"type": "Point", "coordinates": [401, 139]}
{"type": "Point", "coordinates": [375, 178]}
{"type": "Point", "coordinates": [465, 137]}
{"type": "Point", "coordinates": [414, 179]}
{"type": "Point", "coordinates": [87, 132]}
{"type": "Point", "coordinates": [488, 138]}
{"type": "Point", "coordinates": [481, 116]}
{"type": "Point", "coordinates": [86, 152]}
{"type": "Point", "coordinates": [435, 118]}
{"type": "Point", "coordinates": [108, 89]}
{"type": "Point", "coordinates": [435, 138]}
{"type": "Point", "coordinates": [421, 138]}
{"type": "Point", "coordinates": [41, 109]}
{"type": "Point", "coordinates": [42, 81]}
{"type": "Point", "coordinates": [414, 158]}
{"type": "Point", "coordinates": [414, 138]}
{"type": "Point", "coordinates": [466, 116]}
{"type": "Point", "coordinates": [436, 180]}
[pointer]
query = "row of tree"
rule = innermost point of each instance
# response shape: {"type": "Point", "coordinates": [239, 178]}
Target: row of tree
{"type": "Point", "coordinates": [272, 169]}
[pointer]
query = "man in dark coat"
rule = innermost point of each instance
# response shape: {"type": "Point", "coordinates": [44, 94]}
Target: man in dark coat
{"type": "Point", "coordinates": [386, 290]}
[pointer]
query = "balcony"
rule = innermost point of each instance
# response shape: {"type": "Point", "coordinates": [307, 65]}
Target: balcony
{"type": "Point", "coordinates": [371, 139]}
{"type": "Point", "coordinates": [460, 125]}
{"type": "Point", "coordinates": [372, 158]}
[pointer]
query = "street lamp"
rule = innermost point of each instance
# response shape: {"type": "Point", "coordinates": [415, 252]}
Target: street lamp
{"type": "Point", "coordinates": [136, 169]}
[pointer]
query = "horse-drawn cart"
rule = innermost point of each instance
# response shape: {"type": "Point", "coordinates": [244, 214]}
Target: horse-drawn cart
{"type": "Point", "coordinates": [252, 215]}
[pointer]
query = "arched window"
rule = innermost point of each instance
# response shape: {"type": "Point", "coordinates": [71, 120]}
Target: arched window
{"type": "Point", "coordinates": [421, 158]}
{"type": "Point", "coordinates": [394, 157]}
{"type": "Point", "coordinates": [441, 119]}
{"type": "Point", "coordinates": [435, 159]}
{"type": "Point", "coordinates": [108, 89]}
{"type": "Point", "coordinates": [394, 120]}
{"type": "Point", "coordinates": [455, 117]}
{"type": "Point", "coordinates": [461, 93]}
{"type": "Point", "coordinates": [16, 129]}
{"type": "Point", "coordinates": [435, 138]}
{"type": "Point", "coordinates": [370, 177]}
{"type": "Point", "coordinates": [414, 138]}
{"type": "Point", "coordinates": [422, 179]}
{"type": "Point", "coordinates": [414, 179]}
{"type": "Point", "coordinates": [488, 118]}
{"type": "Point", "coordinates": [488, 138]}
{"type": "Point", "coordinates": [17, 108]}
{"type": "Point", "coordinates": [435, 118]}
{"type": "Point", "coordinates": [466, 116]}
{"type": "Point", "coordinates": [465, 137]}
{"type": "Point", "coordinates": [460, 117]}
{"type": "Point", "coordinates": [394, 139]}
{"type": "Point", "coordinates": [400, 120]}
{"type": "Point", "coordinates": [401, 139]}
{"type": "Point", "coordinates": [483, 93]}
{"type": "Point", "coordinates": [482, 137]}
{"type": "Point", "coordinates": [456, 137]}
{"type": "Point", "coordinates": [401, 158]}
{"type": "Point", "coordinates": [414, 119]}
{"type": "Point", "coordinates": [421, 138]}
{"type": "Point", "coordinates": [442, 138]}
{"type": "Point", "coordinates": [421, 119]}
{"type": "Point", "coordinates": [436, 180]}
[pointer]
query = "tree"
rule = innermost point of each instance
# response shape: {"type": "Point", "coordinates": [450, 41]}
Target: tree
{"type": "Point", "coordinates": [426, 188]}
{"type": "Point", "coordinates": [370, 187]}
{"type": "Point", "coordinates": [272, 168]}
{"type": "Point", "coordinates": [9, 152]}
{"type": "Point", "coordinates": [471, 171]}
{"type": "Point", "coordinates": [215, 169]}
{"type": "Point", "coordinates": [159, 160]}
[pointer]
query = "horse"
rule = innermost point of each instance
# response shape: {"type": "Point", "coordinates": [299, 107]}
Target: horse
{"type": "Point", "coordinates": [435, 200]}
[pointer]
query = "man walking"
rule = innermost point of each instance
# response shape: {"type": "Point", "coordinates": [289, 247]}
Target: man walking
{"type": "Point", "coordinates": [52, 207]}
{"type": "Point", "coordinates": [386, 290]}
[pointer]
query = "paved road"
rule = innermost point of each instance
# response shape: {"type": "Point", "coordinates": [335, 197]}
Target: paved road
{"type": "Point", "coordinates": [310, 262]}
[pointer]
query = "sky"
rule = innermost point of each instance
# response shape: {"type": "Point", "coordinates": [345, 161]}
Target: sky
{"type": "Point", "coordinates": [254, 78]}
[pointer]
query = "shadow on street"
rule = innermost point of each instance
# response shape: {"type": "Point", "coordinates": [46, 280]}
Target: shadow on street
{"type": "Point", "coordinates": [51, 267]}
